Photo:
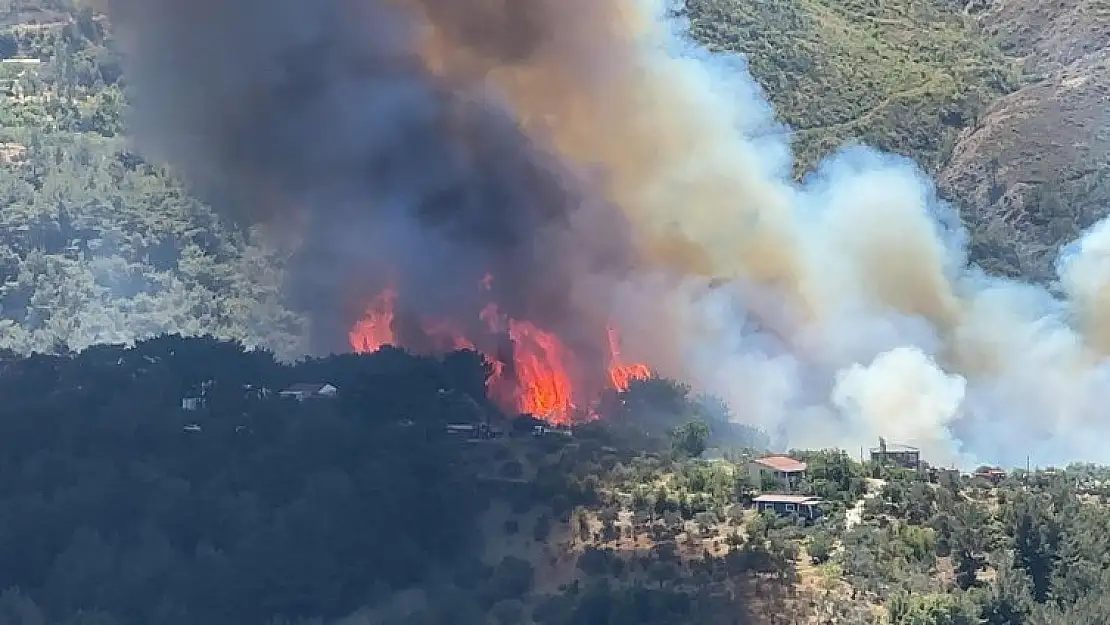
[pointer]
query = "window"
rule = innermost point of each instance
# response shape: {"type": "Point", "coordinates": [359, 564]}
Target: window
{"type": "Point", "coordinates": [789, 507]}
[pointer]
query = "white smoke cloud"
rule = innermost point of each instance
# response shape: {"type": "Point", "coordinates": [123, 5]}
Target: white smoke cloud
{"type": "Point", "coordinates": [905, 389]}
{"type": "Point", "coordinates": [880, 329]}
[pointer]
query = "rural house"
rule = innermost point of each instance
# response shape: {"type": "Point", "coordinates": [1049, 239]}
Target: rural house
{"type": "Point", "coordinates": [309, 390]}
{"type": "Point", "coordinates": [896, 455]}
{"type": "Point", "coordinates": [783, 469]}
{"type": "Point", "coordinates": [808, 508]}
{"type": "Point", "coordinates": [994, 475]}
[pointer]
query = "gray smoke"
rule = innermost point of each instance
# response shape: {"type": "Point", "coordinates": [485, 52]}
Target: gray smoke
{"type": "Point", "coordinates": [321, 120]}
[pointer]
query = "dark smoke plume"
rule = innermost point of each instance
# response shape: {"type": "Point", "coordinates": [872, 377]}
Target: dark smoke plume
{"type": "Point", "coordinates": [414, 140]}
{"type": "Point", "coordinates": [320, 119]}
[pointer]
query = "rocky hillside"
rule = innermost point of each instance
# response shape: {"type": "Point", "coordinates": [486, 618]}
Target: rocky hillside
{"type": "Point", "coordinates": [1003, 100]}
{"type": "Point", "coordinates": [1035, 169]}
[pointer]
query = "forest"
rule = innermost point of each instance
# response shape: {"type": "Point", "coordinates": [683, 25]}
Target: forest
{"type": "Point", "coordinates": [173, 482]}
{"type": "Point", "coordinates": [96, 244]}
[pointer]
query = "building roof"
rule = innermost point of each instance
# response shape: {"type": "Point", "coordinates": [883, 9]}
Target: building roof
{"type": "Point", "coordinates": [786, 464]}
{"type": "Point", "coordinates": [895, 449]}
{"type": "Point", "coordinates": [307, 387]}
{"type": "Point", "coordinates": [787, 499]}
{"type": "Point", "coordinates": [990, 471]}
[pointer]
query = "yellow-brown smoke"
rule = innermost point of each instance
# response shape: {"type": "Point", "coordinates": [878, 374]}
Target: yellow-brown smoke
{"type": "Point", "coordinates": [862, 245]}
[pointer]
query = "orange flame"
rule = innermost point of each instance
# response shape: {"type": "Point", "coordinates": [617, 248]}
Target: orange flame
{"type": "Point", "coordinates": [537, 381]}
{"type": "Point", "coordinates": [375, 329]}
{"type": "Point", "coordinates": [543, 386]}
{"type": "Point", "coordinates": [620, 374]}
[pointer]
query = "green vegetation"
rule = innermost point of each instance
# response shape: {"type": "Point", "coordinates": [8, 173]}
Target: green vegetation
{"type": "Point", "coordinates": [95, 244]}
{"type": "Point", "coordinates": [121, 505]}
{"type": "Point", "coordinates": [170, 482]}
{"type": "Point", "coordinates": [901, 75]}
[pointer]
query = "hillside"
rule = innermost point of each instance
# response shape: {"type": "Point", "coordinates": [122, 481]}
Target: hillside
{"type": "Point", "coordinates": [902, 76]}
{"type": "Point", "coordinates": [122, 504]}
{"type": "Point", "coordinates": [95, 244]}
{"type": "Point", "coordinates": [1002, 100]}
{"type": "Point", "coordinates": [1035, 170]}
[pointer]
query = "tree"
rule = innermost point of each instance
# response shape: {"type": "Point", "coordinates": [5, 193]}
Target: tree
{"type": "Point", "coordinates": [931, 609]}
{"type": "Point", "coordinates": [690, 439]}
{"type": "Point", "coordinates": [820, 547]}
{"type": "Point", "coordinates": [1008, 600]}
{"type": "Point", "coordinates": [1036, 536]}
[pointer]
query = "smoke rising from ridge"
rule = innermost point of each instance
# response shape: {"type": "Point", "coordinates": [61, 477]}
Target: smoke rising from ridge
{"type": "Point", "coordinates": [601, 165]}
{"type": "Point", "coordinates": [320, 120]}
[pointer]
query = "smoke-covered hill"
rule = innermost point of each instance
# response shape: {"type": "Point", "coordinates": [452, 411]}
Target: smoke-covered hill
{"type": "Point", "coordinates": [1004, 100]}
{"type": "Point", "coordinates": [96, 246]}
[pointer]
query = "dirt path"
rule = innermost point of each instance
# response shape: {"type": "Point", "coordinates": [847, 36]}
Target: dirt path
{"type": "Point", "coordinates": [854, 516]}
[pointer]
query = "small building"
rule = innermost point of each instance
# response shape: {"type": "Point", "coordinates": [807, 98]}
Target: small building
{"type": "Point", "coordinates": [897, 455]}
{"type": "Point", "coordinates": [309, 390]}
{"type": "Point", "coordinates": [994, 475]}
{"type": "Point", "coordinates": [806, 507]}
{"type": "Point", "coordinates": [785, 470]}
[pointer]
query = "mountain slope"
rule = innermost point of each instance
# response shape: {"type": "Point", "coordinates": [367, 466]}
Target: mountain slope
{"type": "Point", "coordinates": [1003, 100]}
{"type": "Point", "coordinates": [1036, 170]}
{"type": "Point", "coordinates": [904, 76]}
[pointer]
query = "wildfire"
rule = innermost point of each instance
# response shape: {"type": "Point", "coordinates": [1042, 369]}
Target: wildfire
{"type": "Point", "coordinates": [620, 374]}
{"type": "Point", "coordinates": [533, 378]}
{"type": "Point", "coordinates": [375, 329]}
{"type": "Point", "coordinates": [540, 384]}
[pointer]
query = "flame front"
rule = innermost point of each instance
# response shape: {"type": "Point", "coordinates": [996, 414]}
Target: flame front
{"type": "Point", "coordinates": [621, 374]}
{"type": "Point", "coordinates": [533, 378]}
{"type": "Point", "coordinates": [375, 329]}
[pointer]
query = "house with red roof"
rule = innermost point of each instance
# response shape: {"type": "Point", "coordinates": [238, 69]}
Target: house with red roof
{"type": "Point", "coordinates": [783, 469]}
